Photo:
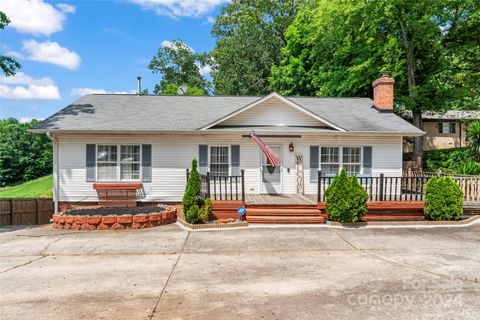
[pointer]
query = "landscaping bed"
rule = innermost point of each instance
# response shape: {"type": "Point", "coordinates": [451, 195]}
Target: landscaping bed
{"type": "Point", "coordinates": [106, 218]}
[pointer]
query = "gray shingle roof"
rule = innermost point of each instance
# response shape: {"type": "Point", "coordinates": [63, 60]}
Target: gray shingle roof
{"type": "Point", "coordinates": [121, 112]}
{"type": "Point", "coordinates": [448, 115]}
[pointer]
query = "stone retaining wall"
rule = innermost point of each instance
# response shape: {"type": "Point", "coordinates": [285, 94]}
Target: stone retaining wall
{"type": "Point", "coordinates": [114, 222]}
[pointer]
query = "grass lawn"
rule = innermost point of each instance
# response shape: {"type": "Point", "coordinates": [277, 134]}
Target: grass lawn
{"type": "Point", "coordinates": [41, 187]}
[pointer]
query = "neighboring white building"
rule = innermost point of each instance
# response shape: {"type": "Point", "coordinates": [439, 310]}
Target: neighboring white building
{"type": "Point", "coordinates": [153, 139]}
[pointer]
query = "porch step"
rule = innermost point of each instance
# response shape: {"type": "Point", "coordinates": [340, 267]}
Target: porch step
{"type": "Point", "coordinates": [282, 212]}
{"type": "Point", "coordinates": [285, 219]}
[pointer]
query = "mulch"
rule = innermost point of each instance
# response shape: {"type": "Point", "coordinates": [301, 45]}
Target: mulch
{"type": "Point", "coordinates": [104, 211]}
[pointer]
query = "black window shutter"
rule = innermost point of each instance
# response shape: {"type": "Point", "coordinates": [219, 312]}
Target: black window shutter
{"type": "Point", "coordinates": [202, 158]}
{"type": "Point", "coordinates": [90, 163]}
{"type": "Point", "coordinates": [440, 127]}
{"type": "Point", "coordinates": [314, 163]}
{"type": "Point", "coordinates": [146, 162]}
{"type": "Point", "coordinates": [367, 160]}
{"type": "Point", "coordinates": [235, 151]}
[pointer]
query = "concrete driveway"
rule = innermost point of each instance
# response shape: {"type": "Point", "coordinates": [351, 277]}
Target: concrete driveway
{"type": "Point", "coordinates": [255, 273]}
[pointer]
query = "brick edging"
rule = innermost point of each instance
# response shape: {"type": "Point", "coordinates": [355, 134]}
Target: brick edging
{"type": "Point", "coordinates": [114, 222]}
{"type": "Point", "coordinates": [212, 225]}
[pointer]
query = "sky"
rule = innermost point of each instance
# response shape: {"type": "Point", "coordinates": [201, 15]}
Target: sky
{"type": "Point", "coordinates": [71, 48]}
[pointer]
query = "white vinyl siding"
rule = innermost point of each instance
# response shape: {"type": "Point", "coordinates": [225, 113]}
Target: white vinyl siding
{"type": "Point", "coordinates": [172, 154]}
{"type": "Point", "coordinates": [272, 112]}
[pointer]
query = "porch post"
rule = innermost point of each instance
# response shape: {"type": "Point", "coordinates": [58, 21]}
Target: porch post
{"type": "Point", "coordinates": [319, 184]}
{"type": "Point", "coordinates": [381, 187]}
{"type": "Point", "coordinates": [208, 184]}
{"type": "Point", "coordinates": [243, 184]}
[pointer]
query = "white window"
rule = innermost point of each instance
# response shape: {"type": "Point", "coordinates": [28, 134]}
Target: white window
{"type": "Point", "coordinates": [219, 162]}
{"type": "Point", "coordinates": [446, 127]}
{"type": "Point", "coordinates": [130, 162]}
{"type": "Point", "coordinates": [112, 167]}
{"type": "Point", "coordinates": [107, 162]}
{"type": "Point", "coordinates": [329, 160]}
{"type": "Point", "coordinates": [352, 160]}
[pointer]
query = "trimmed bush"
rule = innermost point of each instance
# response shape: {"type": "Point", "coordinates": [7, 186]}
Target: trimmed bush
{"type": "Point", "coordinates": [443, 199]}
{"type": "Point", "coordinates": [206, 210]}
{"type": "Point", "coordinates": [191, 199]}
{"type": "Point", "coordinates": [346, 199]}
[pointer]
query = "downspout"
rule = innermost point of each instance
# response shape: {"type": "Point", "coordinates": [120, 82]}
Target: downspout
{"type": "Point", "coordinates": [55, 169]}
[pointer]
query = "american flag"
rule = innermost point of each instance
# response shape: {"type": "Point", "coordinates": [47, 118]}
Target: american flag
{"type": "Point", "coordinates": [272, 158]}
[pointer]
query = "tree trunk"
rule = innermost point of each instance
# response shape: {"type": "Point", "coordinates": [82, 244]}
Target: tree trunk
{"type": "Point", "coordinates": [418, 141]}
{"type": "Point", "coordinates": [412, 90]}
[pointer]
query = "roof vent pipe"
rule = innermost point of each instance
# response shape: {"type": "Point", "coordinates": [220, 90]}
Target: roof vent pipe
{"type": "Point", "coordinates": [139, 92]}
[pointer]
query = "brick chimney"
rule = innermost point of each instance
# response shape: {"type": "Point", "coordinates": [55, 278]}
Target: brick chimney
{"type": "Point", "coordinates": [383, 92]}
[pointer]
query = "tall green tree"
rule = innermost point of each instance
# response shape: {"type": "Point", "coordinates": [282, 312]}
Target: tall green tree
{"type": "Point", "coordinates": [178, 65]}
{"type": "Point", "coordinates": [250, 35]}
{"type": "Point", "coordinates": [8, 65]}
{"type": "Point", "coordinates": [336, 48]}
{"type": "Point", "coordinates": [23, 155]}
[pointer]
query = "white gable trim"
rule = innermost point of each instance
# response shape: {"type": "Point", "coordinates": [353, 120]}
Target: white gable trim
{"type": "Point", "coordinates": [281, 98]}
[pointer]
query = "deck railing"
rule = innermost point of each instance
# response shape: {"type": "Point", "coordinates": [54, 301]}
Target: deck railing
{"type": "Point", "coordinates": [222, 187]}
{"type": "Point", "coordinates": [469, 184]}
{"type": "Point", "coordinates": [409, 187]}
{"type": "Point", "coordinates": [383, 188]}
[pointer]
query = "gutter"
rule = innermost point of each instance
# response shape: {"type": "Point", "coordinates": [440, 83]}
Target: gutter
{"type": "Point", "coordinates": [220, 132]}
{"type": "Point", "coordinates": [55, 169]}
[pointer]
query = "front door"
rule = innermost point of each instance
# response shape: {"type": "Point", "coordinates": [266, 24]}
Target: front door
{"type": "Point", "coordinates": [271, 179]}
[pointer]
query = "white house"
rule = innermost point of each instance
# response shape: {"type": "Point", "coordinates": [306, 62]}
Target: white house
{"type": "Point", "coordinates": [152, 139]}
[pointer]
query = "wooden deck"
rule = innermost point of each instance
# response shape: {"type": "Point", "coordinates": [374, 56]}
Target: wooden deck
{"type": "Point", "coordinates": [280, 199]}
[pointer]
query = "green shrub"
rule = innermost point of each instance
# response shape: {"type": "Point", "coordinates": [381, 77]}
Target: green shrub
{"type": "Point", "coordinates": [206, 210]}
{"type": "Point", "coordinates": [473, 134]}
{"type": "Point", "coordinates": [191, 198]}
{"type": "Point", "coordinates": [455, 161]}
{"type": "Point", "coordinates": [443, 199]}
{"type": "Point", "coordinates": [346, 199]}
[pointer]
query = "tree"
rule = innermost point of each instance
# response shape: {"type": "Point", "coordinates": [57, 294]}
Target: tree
{"type": "Point", "coordinates": [172, 89]}
{"type": "Point", "coordinates": [179, 65]}
{"type": "Point", "coordinates": [473, 134]}
{"type": "Point", "coordinates": [249, 36]}
{"type": "Point", "coordinates": [336, 48]}
{"type": "Point", "coordinates": [190, 201]}
{"type": "Point", "coordinates": [23, 155]}
{"type": "Point", "coordinates": [9, 65]}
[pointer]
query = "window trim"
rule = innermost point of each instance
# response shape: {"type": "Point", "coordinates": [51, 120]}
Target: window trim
{"type": "Point", "coordinates": [209, 160]}
{"type": "Point", "coordinates": [355, 163]}
{"type": "Point", "coordinates": [119, 162]}
{"type": "Point", "coordinates": [340, 158]}
{"type": "Point", "coordinates": [441, 126]}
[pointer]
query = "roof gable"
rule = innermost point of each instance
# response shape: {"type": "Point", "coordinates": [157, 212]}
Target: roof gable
{"type": "Point", "coordinates": [273, 110]}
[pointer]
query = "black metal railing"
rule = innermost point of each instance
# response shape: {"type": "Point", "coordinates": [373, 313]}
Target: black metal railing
{"type": "Point", "coordinates": [222, 187]}
{"type": "Point", "coordinates": [383, 188]}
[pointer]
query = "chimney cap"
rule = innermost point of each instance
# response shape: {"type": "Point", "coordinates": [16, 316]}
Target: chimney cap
{"type": "Point", "coordinates": [384, 79]}
{"type": "Point", "coordinates": [139, 77]}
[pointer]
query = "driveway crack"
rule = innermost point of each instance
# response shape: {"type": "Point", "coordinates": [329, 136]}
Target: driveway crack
{"type": "Point", "coordinates": [150, 316]}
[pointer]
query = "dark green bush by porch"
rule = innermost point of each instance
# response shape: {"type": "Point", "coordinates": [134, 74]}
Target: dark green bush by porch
{"type": "Point", "coordinates": [443, 199]}
{"type": "Point", "coordinates": [346, 199]}
{"type": "Point", "coordinates": [195, 208]}
{"type": "Point", "coordinates": [191, 196]}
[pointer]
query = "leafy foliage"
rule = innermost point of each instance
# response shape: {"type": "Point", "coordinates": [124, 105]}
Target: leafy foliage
{"type": "Point", "coordinates": [249, 34]}
{"type": "Point", "coordinates": [443, 199]}
{"type": "Point", "coordinates": [473, 134]}
{"type": "Point", "coordinates": [346, 199]}
{"type": "Point", "coordinates": [172, 89]}
{"type": "Point", "coordinates": [336, 48]}
{"type": "Point", "coordinates": [179, 65]}
{"type": "Point", "coordinates": [206, 210]}
{"type": "Point", "coordinates": [191, 196]}
{"type": "Point", "coordinates": [8, 65]}
{"type": "Point", "coordinates": [455, 161]}
{"type": "Point", "coordinates": [23, 155]}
